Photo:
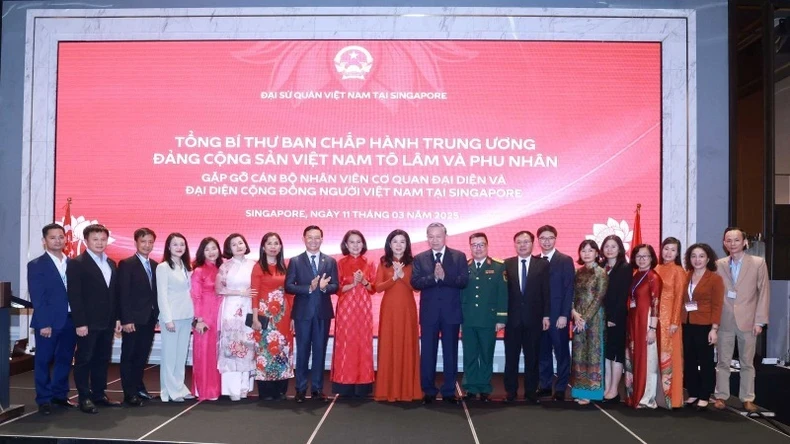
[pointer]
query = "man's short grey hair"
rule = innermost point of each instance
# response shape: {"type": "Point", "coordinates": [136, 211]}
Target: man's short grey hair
{"type": "Point", "coordinates": [437, 225]}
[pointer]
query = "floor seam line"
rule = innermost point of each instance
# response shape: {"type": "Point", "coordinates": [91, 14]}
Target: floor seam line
{"type": "Point", "coordinates": [466, 411]}
{"type": "Point", "coordinates": [70, 398]}
{"type": "Point", "coordinates": [321, 422]}
{"type": "Point", "coordinates": [620, 424]}
{"type": "Point", "coordinates": [169, 420]}
{"type": "Point", "coordinates": [756, 421]}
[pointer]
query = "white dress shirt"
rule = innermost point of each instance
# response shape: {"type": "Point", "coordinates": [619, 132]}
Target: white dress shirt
{"type": "Point", "coordinates": [61, 264]}
{"type": "Point", "coordinates": [104, 266]}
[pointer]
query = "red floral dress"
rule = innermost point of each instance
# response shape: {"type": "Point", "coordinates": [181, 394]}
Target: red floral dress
{"type": "Point", "coordinates": [274, 350]}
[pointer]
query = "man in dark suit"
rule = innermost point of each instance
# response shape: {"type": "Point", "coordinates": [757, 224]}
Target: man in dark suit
{"type": "Point", "coordinates": [527, 315]}
{"type": "Point", "coordinates": [139, 312]}
{"type": "Point", "coordinates": [54, 331]}
{"type": "Point", "coordinates": [562, 274]}
{"type": "Point", "coordinates": [439, 273]}
{"type": "Point", "coordinates": [91, 288]}
{"type": "Point", "coordinates": [312, 278]}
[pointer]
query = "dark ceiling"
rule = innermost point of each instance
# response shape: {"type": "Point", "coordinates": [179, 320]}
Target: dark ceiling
{"type": "Point", "coordinates": [748, 23]}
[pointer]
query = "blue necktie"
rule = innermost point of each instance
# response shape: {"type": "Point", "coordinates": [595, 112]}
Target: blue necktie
{"type": "Point", "coordinates": [523, 276]}
{"type": "Point", "coordinates": [313, 265]}
{"type": "Point", "coordinates": [147, 266]}
{"type": "Point", "coordinates": [438, 258]}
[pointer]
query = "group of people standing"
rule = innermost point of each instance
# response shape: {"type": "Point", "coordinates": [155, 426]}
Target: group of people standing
{"type": "Point", "coordinates": [650, 320]}
{"type": "Point", "coordinates": [658, 323]}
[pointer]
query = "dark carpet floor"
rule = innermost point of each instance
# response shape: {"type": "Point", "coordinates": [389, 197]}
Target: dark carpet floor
{"type": "Point", "coordinates": [359, 421]}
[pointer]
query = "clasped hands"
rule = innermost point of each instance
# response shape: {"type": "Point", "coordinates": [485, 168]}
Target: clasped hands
{"type": "Point", "coordinates": [438, 271]}
{"type": "Point", "coordinates": [397, 268]}
{"type": "Point", "coordinates": [359, 278]}
{"type": "Point", "coordinates": [319, 282]}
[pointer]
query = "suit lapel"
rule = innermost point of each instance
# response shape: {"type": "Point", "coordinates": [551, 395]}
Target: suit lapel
{"type": "Point", "coordinates": [153, 273]}
{"type": "Point", "coordinates": [93, 267]}
{"type": "Point", "coordinates": [702, 283]}
{"type": "Point", "coordinates": [512, 273]}
{"type": "Point", "coordinates": [532, 267]}
{"type": "Point", "coordinates": [141, 269]}
{"type": "Point", "coordinates": [727, 272]}
{"type": "Point", "coordinates": [54, 268]}
{"type": "Point", "coordinates": [306, 256]}
{"type": "Point", "coordinates": [746, 268]}
{"type": "Point", "coordinates": [321, 263]}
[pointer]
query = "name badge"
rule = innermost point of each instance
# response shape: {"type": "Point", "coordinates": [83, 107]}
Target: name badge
{"type": "Point", "coordinates": [691, 306]}
{"type": "Point", "coordinates": [731, 294]}
{"type": "Point", "coordinates": [490, 271]}
{"type": "Point", "coordinates": [632, 304]}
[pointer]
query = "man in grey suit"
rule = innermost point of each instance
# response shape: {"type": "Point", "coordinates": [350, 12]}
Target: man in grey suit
{"type": "Point", "coordinates": [312, 278]}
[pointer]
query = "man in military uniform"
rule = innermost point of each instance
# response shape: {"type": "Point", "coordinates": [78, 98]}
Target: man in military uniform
{"type": "Point", "coordinates": [484, 304]}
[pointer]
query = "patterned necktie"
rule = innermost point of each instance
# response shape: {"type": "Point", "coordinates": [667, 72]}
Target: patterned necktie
{"type": "Point", "coordinates": [523, 276]}
{"type": "Point", "coordinates": [147, 266]}
{"type": "Point", "coordinates": [438, 258]}
{"type": "Point", "coordinates": [313, 265]}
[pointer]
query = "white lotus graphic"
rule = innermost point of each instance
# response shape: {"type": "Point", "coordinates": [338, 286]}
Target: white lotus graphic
{"type": "Point", "coordinates": [78, 224]}
{"type": "Point", "coordinates": [622, 230]}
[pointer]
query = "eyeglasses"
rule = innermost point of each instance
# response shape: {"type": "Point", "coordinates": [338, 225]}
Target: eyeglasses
{"type": "Point", "coordinates": [477, 245]}
{"type": "Point", "coordinates": [639, 256]}
{"type": "Point", "coordinates": [547, 238]}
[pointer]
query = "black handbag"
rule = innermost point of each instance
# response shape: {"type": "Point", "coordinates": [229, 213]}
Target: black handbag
{"type": "Point", "coordinates": [262, 319]}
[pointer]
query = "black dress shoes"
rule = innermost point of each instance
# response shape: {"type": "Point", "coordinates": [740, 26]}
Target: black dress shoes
{"type": "Point", "coordinates": [299, 398]}
{"type": "Point", "coordinates": [485, 397]}
{"type": "Point", "coordinates": [452, 399]}
{"type": "Point", "coordinates": [427, 399]}
{"type": "Point", "coordinates": [133, 401]}
{"type": "Point", "coordinates": [45, 409]}
{"type": "Point", "coordinates": [531, 399]}
{"type": "Point", "coordinates": [544, 393]}
{"type": "Point", "coordinates": [509, 398]}
{"type": "Point", "coordinates": [87, 406]}
{"type": "Point", "coordinates": [107, 402]}
{"type": "Point", "coordinates": [319, 396]}
{"type": "Point", "coordinates": [64, 403]}
{"type": "Point", "coordinates": [143, 394]}
{"type": "Point", "coordinates": [559, 396]}
{"type": "Point", "coordinates": [470, 397]}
